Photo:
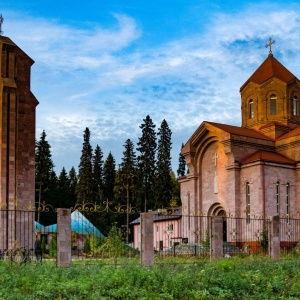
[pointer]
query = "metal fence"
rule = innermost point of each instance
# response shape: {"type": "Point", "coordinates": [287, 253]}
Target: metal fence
{"type": "Point", "coordinates": [23, 238]}
{"type": "Point", "coordinates": [289, 235]}
{"type": "Point", "coordinates": [96, 232]}
{"type": "Point", "coordinates": [101, 233]}
{"type": "Point", "coordinates": [189, 236]}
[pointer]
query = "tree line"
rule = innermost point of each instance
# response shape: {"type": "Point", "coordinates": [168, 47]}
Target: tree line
{"type": "Point", "coordinates": [144, 178]}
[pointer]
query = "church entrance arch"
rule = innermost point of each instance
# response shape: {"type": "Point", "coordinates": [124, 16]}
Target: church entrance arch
{"type": "Point", "coordinates": [218, 210]}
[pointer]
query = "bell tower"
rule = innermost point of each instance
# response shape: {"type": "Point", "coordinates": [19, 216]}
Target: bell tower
{"type": "Point", "coordinates": [270, 98]}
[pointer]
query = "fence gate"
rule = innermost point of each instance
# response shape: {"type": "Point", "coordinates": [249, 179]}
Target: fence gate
{"type": "Point", "coordinates": [102, 232]}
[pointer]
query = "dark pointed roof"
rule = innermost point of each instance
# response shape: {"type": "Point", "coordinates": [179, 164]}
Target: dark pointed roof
{"type": "Point", "coordinates": [271, 67]}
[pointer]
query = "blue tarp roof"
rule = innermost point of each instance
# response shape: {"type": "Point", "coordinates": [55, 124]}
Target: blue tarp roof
{"type": "Point", "coordinates": [38, 225]}
{"type": "Point", "coordinates": [80, 224]}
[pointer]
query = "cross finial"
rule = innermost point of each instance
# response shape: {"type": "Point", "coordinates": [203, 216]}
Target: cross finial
{"type": "Point", "coordinates": [270, 45]}
{"type": "Point", "coordinates": [1, 21]}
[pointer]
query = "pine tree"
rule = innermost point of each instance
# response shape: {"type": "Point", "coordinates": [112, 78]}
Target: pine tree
{"type": "Point", "coordinates": [163, 177]}
{"type": "Point", "coordinates": [73, 183]}
{"type": "Point", "coordinates": [128, 173]}
{"type": "Point", "coordinates": [51, 197]}
{"type": "Point", "coordinates": [64, 190]}
{"type": "Point", "coordinates": [182, 164]}
{"type": "Point", "coordinates": [128, 167]}
{"type": "Point", "coordinates": [43, 173]}
{"type": "Point", "coordinates": [85, 189]}
{"type": "Point", "coordinates": [176, 201]}
{"type": "Point", "coordinates": [109, 175]}
{"type": "Point", "coordinates": [98, 171]}
{"type": "Point", "coordinates": [146, 161]}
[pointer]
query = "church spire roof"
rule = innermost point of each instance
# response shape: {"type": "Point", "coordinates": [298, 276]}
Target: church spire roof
{"type": "Point", "coordinates": [271, 67]}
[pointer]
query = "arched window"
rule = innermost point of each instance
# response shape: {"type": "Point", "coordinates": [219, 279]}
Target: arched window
{"type": "Point", "coordinates": [251, 111]}
{"type": "Point", "coordinates": [248, 202]}
{"type": "Point", "coordinates": [288, 201]}
{"type": "Point", "coordinates": [278, 198]}
{"type": "Point", "coordinates": [295, 106]}
{"type": "Point", "coordinates": [273, 100]}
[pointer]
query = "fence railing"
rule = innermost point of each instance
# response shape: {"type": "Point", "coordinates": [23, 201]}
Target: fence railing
{"type": "Point", "coordinates": [202, 236]}
{"type": "Point", "coordinates": [107, 235]}
{"type": "Point", "coordinates": [94, 234]}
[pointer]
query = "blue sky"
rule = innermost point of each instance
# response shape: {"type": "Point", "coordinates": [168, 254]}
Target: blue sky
{"type": "Point", "coordinates": [107, 64]}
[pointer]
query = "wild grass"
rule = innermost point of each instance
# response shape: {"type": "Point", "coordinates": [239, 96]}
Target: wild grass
{"type": "Point", "coordinates": [235, 278]}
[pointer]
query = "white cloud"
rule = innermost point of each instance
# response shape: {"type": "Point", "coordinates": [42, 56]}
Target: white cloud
{"type": "Point", "coordinates": [103, 79]}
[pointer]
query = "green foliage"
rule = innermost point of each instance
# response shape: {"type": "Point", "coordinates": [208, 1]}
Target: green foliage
{"type": "Point", "coordinates": [109, 175]}
{"type": "Point", "coordinates": [264, 242]}
{"type": "Point", "coordinates": [206, 242]}
{"type": "Point", "coordinates": [85, 188]}
{"type": "Point", "coordinates": [175, 190]}
{"type": "Point", "coordinates": [182, 164]}
{"type": "Point", "coordinates": [113, 245]}
{"type": "Point", "coordinates": [163, 184]}
{"type": "Point", "coordinates": [87, 246]}
{"type": "Point", "coordinates": [225, 279]}
{"type": "Point", "coordinates": [146, 163]}
{"type": "Point", "coordinates": [97, 162]}
{"type": "Point", "coordinates": [53, 245]}
{"type": "Point", "coordinates": [43, 245]}
{"type": "Point", "coordinates": [45, 178]}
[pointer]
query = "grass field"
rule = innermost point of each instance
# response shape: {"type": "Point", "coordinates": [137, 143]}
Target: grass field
{"type": "Point", "coordinates": [235, 278]}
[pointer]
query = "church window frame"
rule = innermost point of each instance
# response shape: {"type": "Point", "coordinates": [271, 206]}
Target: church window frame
{"type": "Point", "coordinates": [251, 109]}
{"type": "Point", "coordinates": [295, 106]}
{"type": "Point", "coordinates": [273, 104]}
{"type": "Point", "coordinates": [248, 202]}
{"type": "Point", "coordinates": [278, 198]}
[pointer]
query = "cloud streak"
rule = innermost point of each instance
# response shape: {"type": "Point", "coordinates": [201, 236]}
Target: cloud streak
{"type": "Point", "coordinates": [104, 79]}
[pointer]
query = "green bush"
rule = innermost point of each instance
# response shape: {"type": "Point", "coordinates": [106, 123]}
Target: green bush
{"type": "Point", "coordinates": [235, 278]}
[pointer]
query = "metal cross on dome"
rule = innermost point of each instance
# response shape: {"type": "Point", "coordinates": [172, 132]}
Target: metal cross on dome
{"type": "Point", "coordinates": [270, 45]}
{"type": "Point", "coordinates": [1, 22]}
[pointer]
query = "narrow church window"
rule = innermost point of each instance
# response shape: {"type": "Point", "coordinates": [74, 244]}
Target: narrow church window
{"type": "Point", "coordinates": [251, 111]}
{"type": "Point", "coordinates": [277, 198]}
{"type": "Point", "coordinates": [273, 99]}
{"type": "Point", "coordinates": [248, 202]}
{"type": "Point", "coordinates": [295, 104]}
{"type": "Point", "coordinates": [287, 201]}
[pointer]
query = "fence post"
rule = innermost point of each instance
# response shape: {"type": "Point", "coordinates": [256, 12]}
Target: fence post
{"type": "Point", "coordinates": [63, 255]}
{"type": "Point", "coordinates": [216, 238]}
{"type": "Point", "coordinates": [274, 238]}
{"type": "Point", "coordinates": [147, 246]}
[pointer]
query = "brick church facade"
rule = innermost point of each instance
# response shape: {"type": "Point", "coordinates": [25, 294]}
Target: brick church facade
{"type": "Point", "coordinates": [252, 170]}
{"type": "Point", "coordinates": [17, 140]}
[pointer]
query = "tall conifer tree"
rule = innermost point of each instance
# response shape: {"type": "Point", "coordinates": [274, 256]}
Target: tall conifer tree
{"type": "Point", "coordinates": [73, 183]}
{"type": "Point", "coordinates": [146, 162]}
{"type": "Point", "coordinates": [109, 175]}
{"type": "Point", "coordinates": [64, 190]}
{"type": "Point", "coordinates": [128, 173]}
{"type": "Point", "coordinates": [98, 171]}
{"type": "Point", "coordinates": [43, 170]}
{"type": "Point", "coordinates": [163, 176]}
{"type": "Point", "coordinates": [85, 189]}
{"type": "Point", "coordinates": [182, 164]}
{"type": "Point", "coordinates": [128, 168]}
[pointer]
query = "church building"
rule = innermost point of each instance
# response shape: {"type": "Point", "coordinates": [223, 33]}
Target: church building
{"type": "Point", "coordinates": [253, 170]}
{"type": "Point", "coordinates": [17, 140]}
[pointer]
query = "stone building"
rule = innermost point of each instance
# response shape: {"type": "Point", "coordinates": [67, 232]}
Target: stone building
{"type": "Point", "coordinates": [17, 139]}
{"type": "Point", "coordinates": [252, 170]}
